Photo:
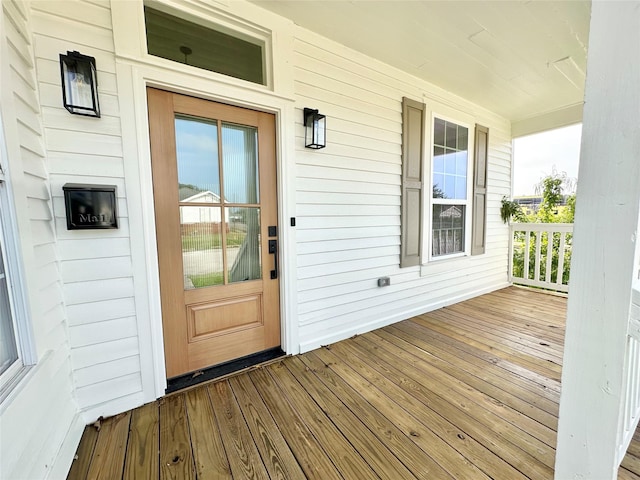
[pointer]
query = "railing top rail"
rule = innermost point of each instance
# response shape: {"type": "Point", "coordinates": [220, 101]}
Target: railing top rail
{"type": "Point", "coordinates": [541, 227]}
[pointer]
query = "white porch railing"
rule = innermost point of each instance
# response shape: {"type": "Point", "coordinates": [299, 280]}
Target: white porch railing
{"type": "Point", "coordinates": [630, 408]}
{"type": "Point", "coordinates": [540, 255]}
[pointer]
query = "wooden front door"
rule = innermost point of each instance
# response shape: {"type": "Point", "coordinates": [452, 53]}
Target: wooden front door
{"type": "Point", "coordinates": [214, 182]}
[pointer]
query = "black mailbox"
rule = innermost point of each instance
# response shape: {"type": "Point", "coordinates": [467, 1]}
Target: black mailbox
{"type": "Point", "coordinates": [90, 206]}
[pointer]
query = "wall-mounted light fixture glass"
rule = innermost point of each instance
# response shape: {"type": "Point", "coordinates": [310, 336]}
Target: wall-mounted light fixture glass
{"type": "Point", "coordinates": [315, 129]}
{"type": "Point", "coordinates": [79, 84]}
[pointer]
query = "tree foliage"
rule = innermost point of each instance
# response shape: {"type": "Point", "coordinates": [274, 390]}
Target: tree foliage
{"type": "Point", "coordinates": [552, 188]}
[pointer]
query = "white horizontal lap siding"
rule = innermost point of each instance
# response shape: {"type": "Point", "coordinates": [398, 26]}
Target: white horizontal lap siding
{"type": "Point", "coordinates": [41, 416]}
{"type": "Point", "coordinates": [348, 199]}
{"type": "Point", "coordinates": [362, 320]}
{"type": "Point", "coordinates": [95, 264]}
{"type": "Point", "coordinates": [499, 174]}
{"type": "Point", "coordinates": [324, 308]}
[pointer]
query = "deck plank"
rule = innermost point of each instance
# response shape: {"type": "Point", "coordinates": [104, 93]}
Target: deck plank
{"type": "Point", "coordinates": [488, 327]}
{"type": "Point", "coordinates": [84, 454]}
{"type": "Point", "coordinates": [488, 355]}
{"type": "Point", "coordinates": [631, 463]}
{"type": "Point", "coordinates": [552, 326]}
{"type": "Point", "coordinates": [369, 446]}
{"type": "Point", "coordinates": [448, 347]}
{"type": "Point", "coordinates": [483, 431]}
{"type": "Point", "coordinates": [307, 450]}
{"type": "Point", "coordinates": [109, 453]}
{"type": "Point", "coordinates": [143, 445]}
{"type": "Point", "coordinates": [634, 447]}
{"type": "Point", "coordinates": [344, 456]}
{"type": "Point", "coordinates": [488, 344]}
{"type": "Point", "coordinates": [442, 440]}
{"type": "Point", "coordinates": [490, 398]}
{"type": "Point", "coordinates": [209, 456]}
{"type": "Point", "coordinates": [441, 388]}
{"type": "Point", "coordinates": [386, 429]}
{"type": "Point", "coordinates": [469, 391]}
{"type": "Point", "coordinates": [494, 389]}
{"type": "Point", "coordinates": [176, 457]}
{"type": "Point", "coordinates": [455, 360]}
{"type": "Point", "coordinates": [280, 462]}
{"type": "Point", "coordinates": [244, 459]}
{"type": "Point", "coordinates": [624, 474]}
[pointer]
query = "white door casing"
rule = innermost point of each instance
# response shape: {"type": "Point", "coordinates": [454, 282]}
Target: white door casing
{"type": "Point", "coordinates": [135, 70]}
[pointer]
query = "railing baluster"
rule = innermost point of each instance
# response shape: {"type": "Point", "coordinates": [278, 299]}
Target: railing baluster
{"type": "Point", "coordinates": [512, 241]}
{"type": "Point", "coordinates": [547, 273]}
{"type": "Point", "coordinates": [560, 275]}
{"type": "Point", "coordinates": [536, 267]}
{"type": "Point", "coordinates": [527, 243]}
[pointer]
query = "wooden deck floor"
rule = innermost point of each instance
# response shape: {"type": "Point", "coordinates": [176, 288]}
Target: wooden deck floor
{"type": "Point", "coordinates": [466, 392]}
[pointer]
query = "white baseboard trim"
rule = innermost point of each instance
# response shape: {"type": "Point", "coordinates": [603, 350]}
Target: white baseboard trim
{"type": "Point", "coordinates": [398, 317]}
{"type": "Point", "coordinates": [64, 458]}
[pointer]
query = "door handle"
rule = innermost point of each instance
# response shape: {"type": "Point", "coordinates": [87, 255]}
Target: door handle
{"type": "Point", "coordinates": [273, 248]}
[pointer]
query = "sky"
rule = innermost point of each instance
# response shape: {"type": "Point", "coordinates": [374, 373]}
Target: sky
{"type": "Point", "coordinates": [535, 156]}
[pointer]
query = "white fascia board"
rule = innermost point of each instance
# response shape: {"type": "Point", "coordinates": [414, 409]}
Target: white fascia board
{"type": "Point", "coordinates": [563, 117]}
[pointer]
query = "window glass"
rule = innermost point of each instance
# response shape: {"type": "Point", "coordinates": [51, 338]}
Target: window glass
{"type": "Point", "coordinates": [197, 158]}
{"type": "Point", "coordinates": [8, 347]}
{"type": "Point", "coordinates": [450, 160]}
{"type": "Point", "coordinates": [449, 188]}
{"type": "Point", "coordinates": [240, 162]}
{"type": "Point", "coordinates": [186, 42]}
{"type": "Point", "coordinates": [243, 244]}
{"type": "Point", "coordinates": [201, 246]}
{"type": "Point", "coordinates": [9, 351]}
{"type": "Point", "coordinates": [448, 229]}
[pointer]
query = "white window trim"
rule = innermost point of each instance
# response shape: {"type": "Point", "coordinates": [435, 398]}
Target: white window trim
{"type": "Point", "coordinates": [18, 305]}
{"type": "Point", "coordinates": [450, 114]}
{"type": "Point", "coordinates": [227, 24]}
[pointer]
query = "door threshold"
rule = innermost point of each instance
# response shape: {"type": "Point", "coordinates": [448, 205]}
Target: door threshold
{"type": "Point", "coordinates": [223, 369]}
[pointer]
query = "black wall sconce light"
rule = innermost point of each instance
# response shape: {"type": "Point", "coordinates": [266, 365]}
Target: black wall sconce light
{"type": "Point", "coordinates": [315, 129]}
{"type": "Point", "coordinates": [79, 84]}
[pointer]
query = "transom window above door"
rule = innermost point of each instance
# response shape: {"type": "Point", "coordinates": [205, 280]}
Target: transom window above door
{"type": "Point", "coordinates": [212, 48]}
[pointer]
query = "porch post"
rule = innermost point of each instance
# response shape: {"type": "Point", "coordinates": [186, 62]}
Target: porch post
{"type": "Point", "coordinates": [605, 235]}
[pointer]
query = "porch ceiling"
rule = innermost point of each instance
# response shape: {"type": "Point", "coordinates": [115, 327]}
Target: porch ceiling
{"type": "Point", "coordinates": [521, 59]}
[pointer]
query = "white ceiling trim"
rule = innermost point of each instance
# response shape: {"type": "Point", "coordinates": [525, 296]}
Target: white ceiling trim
{"type": "Point", "coordinates": [562, 117]}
